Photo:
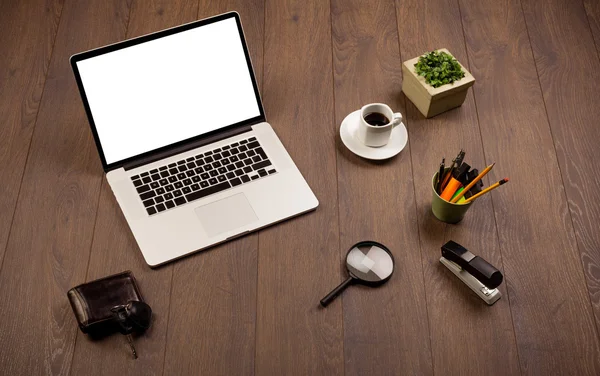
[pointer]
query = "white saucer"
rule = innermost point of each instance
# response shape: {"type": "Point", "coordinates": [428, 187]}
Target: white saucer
{"type": "Point", "coordinates": [348, 129]}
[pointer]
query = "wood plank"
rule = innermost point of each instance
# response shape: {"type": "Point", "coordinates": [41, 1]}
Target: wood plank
{"type": "Point", "coordinates": [425, 26]}
{"type": "Point", "coordinates": [592, 9]}
{"type": "Point", "coordinates": [558, 33]}
{"type": "Point", "coordinates": [213, 304]}
{"type": "Point", "coordinates": [551, 311]}
{"type": "Point", "coordinates": [50, 241]}
{"type": "Point", "coordinates": [114, 248]}
{"type": "Point", "coordinates": [382, 334]}
{"type": "Point", "coordinates": [299, 259]}
{"type": "Point", "coordinates": [24, 61]}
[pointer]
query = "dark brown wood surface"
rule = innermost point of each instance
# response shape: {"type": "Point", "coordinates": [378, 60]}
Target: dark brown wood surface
{"type": "Point", "coordinates": [571, 99]}
{"type": "Point", "coordinates": [383, 333]}
{"type": "Point", "coordinates": [24, 60]}
{"type": "Point", "coordinates": [109, 242]}
{"type": "Point", "coordinates": [452, 308]}
{"type": "Point", "coordinates": [212, 315]}
{"type": "Point", "coordinates": [251, 306]}
{"type": "Point", "coordinates": [298, 260]}
{"type": "Point", "coordinates": [546, 287]}
{"type": "Point", "coordinates": [592, 9]}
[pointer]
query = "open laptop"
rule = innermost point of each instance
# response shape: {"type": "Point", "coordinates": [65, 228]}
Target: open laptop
{"type": "Point", "coordinates": [183, 138]}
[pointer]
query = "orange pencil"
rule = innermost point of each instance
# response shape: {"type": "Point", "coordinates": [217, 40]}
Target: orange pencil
{"type": "Point", "coordinates": [471, 184]}
{"type": "Point", "coordinates": [493, 186]}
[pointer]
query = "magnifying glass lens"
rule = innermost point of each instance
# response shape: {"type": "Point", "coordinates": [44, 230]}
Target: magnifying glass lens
{"type": "Point", "coordinates": [369, 262]}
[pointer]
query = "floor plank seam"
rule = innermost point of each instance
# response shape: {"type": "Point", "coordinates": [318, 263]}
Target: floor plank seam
{"type": "Point", "coordinates": [337, 180]}
{"type": "Point", "coordinates": [168, 320]}
{"type": "Point", "coordinates": [87, 268]}
{"type": "Point", "coordinates": [262, 86]}
{"type": "Point", "coordinates": [587, 17]}
{"type": "Point", "coordinates": [512, 321]}
{"type": "Point", "coordinates": [562, 180]}
{"type": "Point", "coordinates": [416, 209]}
{"type": "Point", "coordinates": [12, 221]}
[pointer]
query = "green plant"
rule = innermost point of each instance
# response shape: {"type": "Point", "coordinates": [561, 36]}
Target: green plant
{"type": "Point", "coordinates": [439, 68]}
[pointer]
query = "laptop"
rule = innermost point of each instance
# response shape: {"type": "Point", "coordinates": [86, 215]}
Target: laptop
{"type": "Point", "coordinates": [182, 135]}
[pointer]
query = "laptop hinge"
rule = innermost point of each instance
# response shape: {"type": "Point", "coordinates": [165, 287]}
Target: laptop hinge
{"type": "Point", "coordinates": [186, 147]}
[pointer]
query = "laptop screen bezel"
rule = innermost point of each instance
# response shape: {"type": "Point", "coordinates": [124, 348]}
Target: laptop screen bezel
{"type": "Point", "coordinates": [146, 38]}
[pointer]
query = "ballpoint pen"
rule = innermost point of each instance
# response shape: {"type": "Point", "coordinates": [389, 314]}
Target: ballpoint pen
{"type": "Point", "coordinates": [438, 182]}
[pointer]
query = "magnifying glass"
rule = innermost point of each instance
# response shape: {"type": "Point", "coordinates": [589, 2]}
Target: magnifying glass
{"type": "Point", "coordinates": [369, 263]}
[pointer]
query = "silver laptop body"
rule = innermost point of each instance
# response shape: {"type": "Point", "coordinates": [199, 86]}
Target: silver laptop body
{"type": "Point", "coordinates": [182, 135]}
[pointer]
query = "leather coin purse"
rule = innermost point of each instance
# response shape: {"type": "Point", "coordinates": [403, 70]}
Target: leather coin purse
{"type": "Point", "coordinates": [110, 304]}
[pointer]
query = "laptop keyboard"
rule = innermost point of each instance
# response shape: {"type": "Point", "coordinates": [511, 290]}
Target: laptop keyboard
{"type": "Point", "coordinates": [196, 177]}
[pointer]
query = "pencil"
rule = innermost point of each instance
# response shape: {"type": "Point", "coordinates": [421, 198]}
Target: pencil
{"type": "Point", "coordinates": [493, 186]}
{"type": "Point", "coordinates": [471, 184]}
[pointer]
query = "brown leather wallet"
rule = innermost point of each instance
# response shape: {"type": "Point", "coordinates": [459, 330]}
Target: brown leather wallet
{"type": "Point", "coordinates": [92, 302]}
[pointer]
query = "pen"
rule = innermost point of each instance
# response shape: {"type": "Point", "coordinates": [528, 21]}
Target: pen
{"type": "Point", "coordinates": [493, 186]}
{"type": "Point", "coordinates": [460, 157]}
{"type": "Point", "coordinates": [456, 162]}
{"type": "Point", "coordinates": [438, 183]}
{"type": "Point", "coordinates": [471, 184]}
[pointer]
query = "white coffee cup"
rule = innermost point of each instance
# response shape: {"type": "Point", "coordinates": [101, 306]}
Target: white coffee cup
{"type": "Point", "coordinates": [377, 135]}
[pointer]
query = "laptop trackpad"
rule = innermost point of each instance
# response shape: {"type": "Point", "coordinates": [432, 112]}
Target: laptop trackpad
{"type": "Point", "coordinates": [226, 214]}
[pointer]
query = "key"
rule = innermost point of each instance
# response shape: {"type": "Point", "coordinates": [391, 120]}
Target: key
{"type": "Point", "coordinates": [262, 164]}
{"type": "Point", "coordinates": [261, 152]}
{"type": "Point", "coordinates": [130, 340]}
{"type": "Point", "coordinates": [208, 191]}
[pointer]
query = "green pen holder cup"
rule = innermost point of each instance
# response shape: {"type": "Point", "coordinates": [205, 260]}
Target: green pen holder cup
{"type": "Point", "coordinates": [446, 211]}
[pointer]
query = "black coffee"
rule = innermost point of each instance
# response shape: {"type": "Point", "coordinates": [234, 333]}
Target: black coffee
{"type": "Point", "coordinates": [376, 119]}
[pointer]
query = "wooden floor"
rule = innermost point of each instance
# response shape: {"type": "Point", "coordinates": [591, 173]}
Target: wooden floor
{"type": "Point", "coordinates": [251, 306]}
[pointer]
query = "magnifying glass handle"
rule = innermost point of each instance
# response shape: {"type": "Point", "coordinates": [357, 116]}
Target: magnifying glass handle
{"type": "Point", "coordinates": [336, 291]}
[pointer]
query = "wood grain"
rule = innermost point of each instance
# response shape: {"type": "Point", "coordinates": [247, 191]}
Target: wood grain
{"type": "Point", "coordinates": [114, 248]}
{"type": "Point", "coordinates": [299, 259]}
{"type": "Point", "coordinates": [251, 305]}
{"type": "Point", "coordinates": [592, 9]}
{"type": "Point", "coordinates": [50, 242]}
{"type": "Point", "coordinates": [425, 26]}
{"type": "Point", "coordinates": [213, 304]}
{"type": "Point", "coordinates": [24, 63]}
{"type": "Point", "coordinates": [552, 316]}
{"type": "Point", "coordinates": [382, 333]}
{"type": "Point", "coordinates": [571, 97]}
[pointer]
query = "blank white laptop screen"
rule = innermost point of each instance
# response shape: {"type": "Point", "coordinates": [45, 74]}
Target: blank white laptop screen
{"type": "Point", "coordinates": [169, 89]}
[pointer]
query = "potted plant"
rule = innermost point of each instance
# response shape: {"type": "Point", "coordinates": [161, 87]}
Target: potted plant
{"type": "Point", "coordinates": [435, 82]}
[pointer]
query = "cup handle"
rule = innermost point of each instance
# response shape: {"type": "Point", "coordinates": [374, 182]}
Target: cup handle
{"type": "Point", "coordinates": [397, 119]}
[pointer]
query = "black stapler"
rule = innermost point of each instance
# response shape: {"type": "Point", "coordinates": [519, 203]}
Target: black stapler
{"type": "Point", "coordinates": [482, 277]}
